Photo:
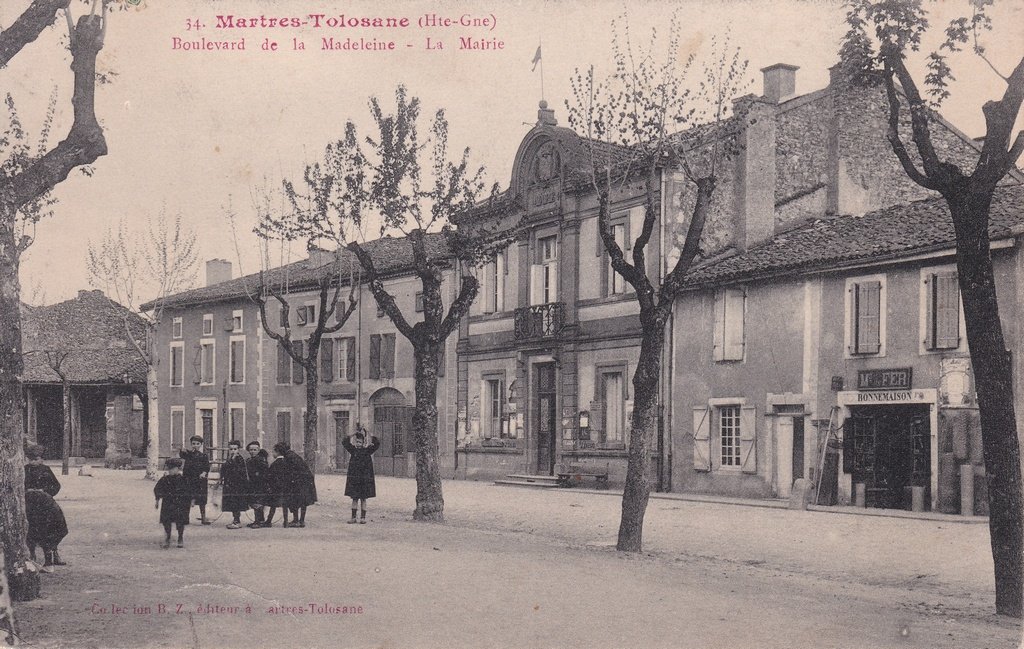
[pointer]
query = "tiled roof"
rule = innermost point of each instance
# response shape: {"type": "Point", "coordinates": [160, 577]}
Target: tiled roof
{"type": "Point", "coordinates": [889, 233]}
{"type": "Point", "coordinates": [90, 330]}
{"type": "Point", "coordinates": [391, 255]}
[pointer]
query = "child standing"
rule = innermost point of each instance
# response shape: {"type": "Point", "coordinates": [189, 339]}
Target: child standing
{"type": "Point", "coordinates": [196, 469]}
{"type": "Point", "coordinates": [360, 483]}
{"type": "Point", "coordinates": [174, 491]}
{"type": "Point", "coordinates": [234, 480]}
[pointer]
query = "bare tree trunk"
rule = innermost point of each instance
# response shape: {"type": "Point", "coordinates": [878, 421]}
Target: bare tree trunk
{"type": "Point", "coordinates": [152, 423]}
{"type": "Point", "coordinates": [429, 497]}
{"type": "Point", "coordinates": [65, 393]}
{"type": "Point", "coordinates": [24, 583]}
{"type": "Point", "coordinates": [993, 376]}
{"type": "Point", "coordinates": [646, 380]}
{"type": "Point", "coordinates": [310, 439]}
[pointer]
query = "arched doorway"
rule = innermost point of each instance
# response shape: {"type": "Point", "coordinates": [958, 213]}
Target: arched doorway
{"type": "Point", "coordinates": [392, 425]}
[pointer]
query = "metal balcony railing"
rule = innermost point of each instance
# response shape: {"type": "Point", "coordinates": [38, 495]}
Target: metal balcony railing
{"type": "Point", "coordinates": [539, 321]}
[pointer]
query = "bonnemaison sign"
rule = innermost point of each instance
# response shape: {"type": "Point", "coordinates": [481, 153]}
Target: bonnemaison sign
{"type": "Point", "coordinates": [891, 396]}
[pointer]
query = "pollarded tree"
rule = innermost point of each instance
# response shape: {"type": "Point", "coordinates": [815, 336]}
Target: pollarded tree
{"type": "Point", "coordinates": [394, 182]}
{"type": "Point", "coordinates": [881, 36]}
{"type": "Point", "coordinates": [329, 278]}
{"type": "Point", "coordinates": [163, 261]}
{"type": "Point", "coordinates": [655, 116]}
{"type": "Point", "coordinates": [24, 181]}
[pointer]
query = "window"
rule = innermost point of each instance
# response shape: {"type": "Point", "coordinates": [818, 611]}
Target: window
{"type": "Point", "coordinates": [236, 320]}
{"type": "Point", "coordinates": [236, 421]}
{"type": "Point", "coordinates": [207, 349]}
{"type": "Point", "coordinates": [419, 302]}
{"type": "Point", "coordinates": [493, 415]}
{"type": "Point", "coordinates": [176, 328]}
{"type": "Point", "coordinates": [177, 427]}
{"type": "Point", "coordinates": [306, 315]}
{"type": "Point", "coordinates": [284, 364]}
{"type": "Point", "coordinates": [382, 356]}
{"type": "Point", "coordinates": [730, 304]}
{"type": "Point", "coordinates": [865, 307]}
{"type": "Point", "coordinates": [613, 416]}
{"type": "Point", "coordinates": [177, 364]}
{"type": "Point", "coordinates": [942, 310]}
{"type": "Point", "coordinates": [492, 284]}
{"type": "Point", "coordinates": [284, 426]}
{"type": "Point", "coordinates": [338, 359]}
{"type": "Point", "coordinates": [729, 432]}
{"type": "Point", "coordinates": [236, 359]}
{"type": "Point", "coordinates": [208, 324]}
{"type": "Point", "coordinates": [206, 420]}
{"type": "Point", "coordinates": [544, 273]}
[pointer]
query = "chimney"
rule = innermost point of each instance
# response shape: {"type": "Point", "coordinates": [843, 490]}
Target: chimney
{"type": "Point", "coordinates": [755, 172]}
{"type": "Point", "coordinates": [779, 82]}
{"type": "Point", "coordinates": [545, 115]}
{"type": "Point", "coordinates": [217, 271]}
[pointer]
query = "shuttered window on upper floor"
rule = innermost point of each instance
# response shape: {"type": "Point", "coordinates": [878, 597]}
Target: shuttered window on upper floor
{"type": "Point", "coordinates": [865, 317]}
{"type": "Point", "coordinates": [942, 311]}
{"type": "Point", "coordinates": [729, 336]}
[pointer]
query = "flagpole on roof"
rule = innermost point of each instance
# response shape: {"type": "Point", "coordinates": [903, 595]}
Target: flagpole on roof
{"type": "Point", "coordinates": [537, 58]}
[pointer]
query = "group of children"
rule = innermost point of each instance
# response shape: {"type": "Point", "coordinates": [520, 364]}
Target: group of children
{"type": "Point", "coordinates": [257, 482]}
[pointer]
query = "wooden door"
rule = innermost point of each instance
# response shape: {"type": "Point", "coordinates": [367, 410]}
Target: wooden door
{"type": "Point", "coordinates": [546, 418]}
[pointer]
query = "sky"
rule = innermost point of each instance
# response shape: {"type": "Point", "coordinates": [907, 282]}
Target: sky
{"type": "Point", "coordinates": [194, 132]}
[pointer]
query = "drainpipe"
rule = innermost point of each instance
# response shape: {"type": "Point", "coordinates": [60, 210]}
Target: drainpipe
{"type": "Point", "coordinates": [667, 366]}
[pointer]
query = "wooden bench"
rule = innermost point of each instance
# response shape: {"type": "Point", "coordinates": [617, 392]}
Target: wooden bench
{"type": "Point", "coordinates": [570, 474]}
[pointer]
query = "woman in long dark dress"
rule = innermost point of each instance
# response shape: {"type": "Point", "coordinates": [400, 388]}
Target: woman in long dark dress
{"type": "Point", "coordinates": [47, 526]}
{"type": "Point", "coordinates": [37, 474]}
{"type": "Point", "coordinates": [360, 483]}
{"type": "Point", "coordinates": [302, 485]}
{"type": "Point", "coordinates": [195, 471]}
{"type": "Point", "coordinates": [234, 480]}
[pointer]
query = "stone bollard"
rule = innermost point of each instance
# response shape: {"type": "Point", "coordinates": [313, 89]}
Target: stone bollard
{"type": "Point", "coordinates": [967, 489]}
{"type": "Point", "coordinates": [801, 493]}
{"type": "Point", "coordinates": [917, 499]}
{"type": "Point", "coordinates": [859, 499]}
{"type": "Point", "coordinates": [85, 470]}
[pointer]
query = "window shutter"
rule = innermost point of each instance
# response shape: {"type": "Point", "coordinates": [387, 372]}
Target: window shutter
{"type": "Point", "coordinates": [536, 284]}
{"type": "Point", "coordinates": [947, 312]}
{"type": "Point", "coordinates": [387, 354]}
{"type": "Point", "coordinates": [375, 356]}
{"type": "Point", "coordinates": [852, 296]}
{"type": "Point", "coordinates": [733, 329]}
{"type": "Point", "coordinates": [930, 306]}
{"type": "Point", "coordinates": [553, 281]}
{"type": "Point", "coordinates": [487, 288]}
{"type": "Point", "coordinates": [499, 283]}
{"type": "Point", "coordinates": [702, 439]}
{"type": "Point", "coordinates": [719, 335]}
{"type": "Point", "coordinates": [284, 364]}
{"type": "Point", "coordinates": [748, 439]}
{"type": "Point", "coordinates": [298, 375]}
{"type": "Point", "coordinates": [868, 317]}
{"type": "Point", "coordinates": [350, 361]}
{"type": "Point", "coordinates": [327, 360]}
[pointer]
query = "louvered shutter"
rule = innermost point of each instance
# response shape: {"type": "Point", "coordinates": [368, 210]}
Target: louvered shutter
{"type": "Point", "coordinates": [536, 284]}
{"type": "Point", "coordinates": [702, 439]}
{"type": "Point", "coordinates": [387, 354]}
{"type": "Point", "coordinates": [487, 287]}
{"type": "Point", "coordinates": [327, 360]}
{"type": "Point", "coordinates": [947, 312]}
{"type": "Point", "coordinates": [929, 331]}
{"type": "Point", "coordinates": [499, 282]}
{"type": "Point", "coordinates": [350, 360]}
{"type": "Point", "coordinates": [284, 365]}
{"type": "Point", "coordinates": [719, 329]}
{"type": "Point", "coordinates": [552, 282]}
{"type": "Point", "coordinates": [733, 333]}
{"type": "Point", "coordinates": [748, 439]}
{"type": "Point", "coordinates": [868, 317]}
{"type": "Point", "coordinates": [375, 356]}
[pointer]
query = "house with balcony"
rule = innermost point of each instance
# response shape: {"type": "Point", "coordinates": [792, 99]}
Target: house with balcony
{"type": "Point", "coordinates": [824, 306]}
{"type": "Point", "coordinates": [224, 378]}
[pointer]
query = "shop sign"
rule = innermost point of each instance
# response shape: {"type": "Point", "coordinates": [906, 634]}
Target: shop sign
{"type": "Point", "coordinates": [892, 379]}
{"type": "Point", "coordinates": [892, 396]}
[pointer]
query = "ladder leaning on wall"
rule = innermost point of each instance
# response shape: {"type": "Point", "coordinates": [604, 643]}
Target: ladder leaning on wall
{"type": "Point", "coordinates": [831, 434]}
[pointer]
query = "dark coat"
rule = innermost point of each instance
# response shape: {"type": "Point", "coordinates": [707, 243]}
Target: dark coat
{"type": "Point", "coordinates": [234, 479]}
{"type": "Point", "coordinates": [40, 476]}
{"type": "Point", "coordinates": [360, 482]}
{"type": "Point", "coordinates": [196, 464]}
{"type": "Point", "coordinates": [174, 491]}
{"type": "Point", "coordinates": [302, 486]}
{"type": "Point", "coordinates": [278, 483]}
{"type": "Point", "coordinates": [46, 524]}
{"type": "Point", "coordinates": [259, 489]}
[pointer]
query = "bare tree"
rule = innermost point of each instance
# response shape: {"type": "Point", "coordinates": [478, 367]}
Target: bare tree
{"type": "Point", "coordinates": [881, 36]}
{"type": "Point", "coordinates": [275, 284]}
{"type": "Point", "coordinates": [407, 186]}
{"type": "Point", "coordinates": [24, 181]}
{"type": "Point", "coordinates": [654, 116]}
{"type": "Point", "coordinates": [162, 262]}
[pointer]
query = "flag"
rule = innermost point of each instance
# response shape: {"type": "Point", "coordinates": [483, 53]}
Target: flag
{"type": "Point", "coordinates": [536, 59]}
